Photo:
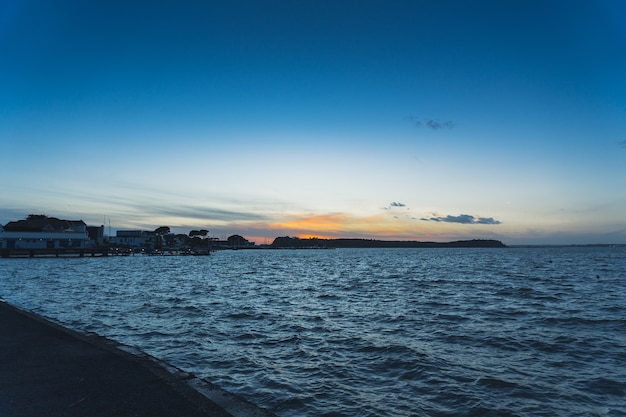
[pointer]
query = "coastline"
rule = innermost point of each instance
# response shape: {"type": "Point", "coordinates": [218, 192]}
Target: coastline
{"type": "Point", "coordinates": [48, 369]}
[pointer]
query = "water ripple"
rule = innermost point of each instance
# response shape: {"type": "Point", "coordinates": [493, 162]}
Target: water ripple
{"type": "Point", "coordinates": [444, 332]}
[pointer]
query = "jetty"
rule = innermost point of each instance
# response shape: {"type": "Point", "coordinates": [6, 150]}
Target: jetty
{"type": "Point", "coordinates": [32, 253]}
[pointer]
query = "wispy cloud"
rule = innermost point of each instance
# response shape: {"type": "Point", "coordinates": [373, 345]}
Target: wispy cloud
{"type": "Point", "coordinates": [206, 213]}
{"type": "Point", "coordinates": [462, 219]}
{"type": "Point", "coordinates": [623, 144]}
{"type": "Point", "coordinates": [429, 123]}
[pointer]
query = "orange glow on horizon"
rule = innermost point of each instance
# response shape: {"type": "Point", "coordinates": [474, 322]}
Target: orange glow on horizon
{"type": "Point", "coordinates": [314, 236]}
{"type": "Point", "coordinates": [317, 222]}
{"type": "Point", "coordinates": [343, 225]}
{"type": "Point", "coordinates": [381, 226]}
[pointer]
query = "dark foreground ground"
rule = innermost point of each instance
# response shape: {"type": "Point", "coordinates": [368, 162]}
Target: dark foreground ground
{"type": "Point", "coordinates": [49, 371]}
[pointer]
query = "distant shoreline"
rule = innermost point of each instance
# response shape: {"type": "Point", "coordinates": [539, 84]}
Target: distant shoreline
{"type": "Point", "coordinates": [297, 243]}
{"type": "Point", "coordinates": [571, 245]}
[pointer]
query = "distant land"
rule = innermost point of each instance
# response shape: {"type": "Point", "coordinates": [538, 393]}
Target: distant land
{"type": "Point", "coordinates": [296, 243]}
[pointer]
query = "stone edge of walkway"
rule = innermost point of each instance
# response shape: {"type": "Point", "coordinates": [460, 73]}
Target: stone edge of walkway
{"type": "Point", "coordinates": [200, 392]}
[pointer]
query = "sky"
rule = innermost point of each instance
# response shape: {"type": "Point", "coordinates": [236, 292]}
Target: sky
{"type": "Point", "coordinates": [397, 120]}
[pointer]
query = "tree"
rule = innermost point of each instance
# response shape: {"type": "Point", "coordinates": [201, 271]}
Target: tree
{"type": "Point", "coordinates": [238, 241]}
{"type": "Point", "coordinates": [201, 232]}
{"type": "Point", "coordinates": [158, 238]}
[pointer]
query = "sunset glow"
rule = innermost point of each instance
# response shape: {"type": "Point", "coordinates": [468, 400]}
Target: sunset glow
{"type": "Point", "coordinates": [403, 120]}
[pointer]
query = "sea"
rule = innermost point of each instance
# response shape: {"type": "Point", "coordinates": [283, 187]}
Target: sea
{"type": "Point", "coordinates": [362, 332]}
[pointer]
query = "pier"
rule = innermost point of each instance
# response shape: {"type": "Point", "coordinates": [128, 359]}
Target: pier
{"type": "Point", "coordinates": [54, 253]}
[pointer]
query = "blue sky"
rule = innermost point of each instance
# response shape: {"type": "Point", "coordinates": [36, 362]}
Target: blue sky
{"type": "Point", "coordinates": [397, 120]}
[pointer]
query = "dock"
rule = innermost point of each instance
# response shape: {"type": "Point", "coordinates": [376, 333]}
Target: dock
{"type": "Point", "coordinates": [58, 253]}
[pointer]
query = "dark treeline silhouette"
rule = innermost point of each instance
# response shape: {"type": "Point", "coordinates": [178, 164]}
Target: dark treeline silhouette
{"type": "Point", "coordinates": [294, 242]}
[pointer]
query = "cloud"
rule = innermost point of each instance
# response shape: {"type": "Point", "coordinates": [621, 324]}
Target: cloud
{"type": "Point", "coordinates": [199, 212]}
{"type": "Point", "coordinates": [395, 204]}
{"type": "Point", "coordinates": [623, 144]}
{"type": "Point", "coordinates": [431, 123]}
{"type": "Point", "coordinates": [487, 220]}
{"type": "Point", "coordinates": [436, 125]}
{"type": "Point", "coordinates": [462, 219]}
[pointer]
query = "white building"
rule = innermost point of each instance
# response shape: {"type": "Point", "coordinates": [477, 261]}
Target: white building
{"type": "Point", "coordinates": [133, 239]}
{"type": "Point", "coordinates": [42, 232]}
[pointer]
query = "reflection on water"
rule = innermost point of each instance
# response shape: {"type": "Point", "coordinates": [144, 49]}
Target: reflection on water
{"type": "Point", "coordinates": [363, 332]}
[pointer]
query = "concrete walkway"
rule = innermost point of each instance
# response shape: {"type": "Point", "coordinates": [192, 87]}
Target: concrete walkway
{"type": "Point", "coordinates": [49, 371]}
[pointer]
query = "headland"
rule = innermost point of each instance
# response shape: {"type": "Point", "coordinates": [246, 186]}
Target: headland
{"type": "Point", "coordinates": [297, 243]}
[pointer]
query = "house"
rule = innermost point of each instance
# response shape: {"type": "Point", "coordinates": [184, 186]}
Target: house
{"type": "Point", "coordinates": [96, 234]}
{"type": "Point", "coordinates": [43, 232]}
{"type": "Point", "coordinates": [133, 239]}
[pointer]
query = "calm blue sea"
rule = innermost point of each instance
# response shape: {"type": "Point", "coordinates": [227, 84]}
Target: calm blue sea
{"type": "Point", "coordinates": [363, 332]}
